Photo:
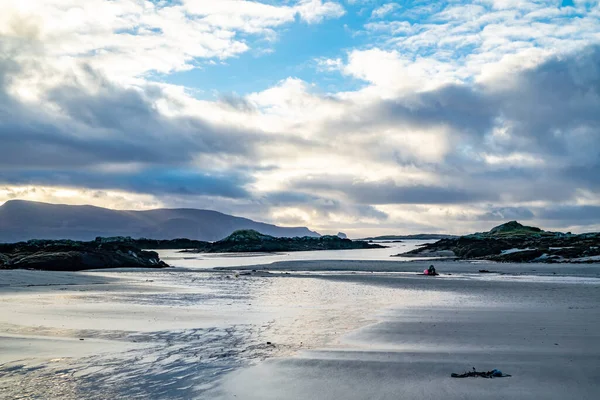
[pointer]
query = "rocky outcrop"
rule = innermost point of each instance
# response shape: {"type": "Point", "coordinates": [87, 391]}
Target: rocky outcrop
{"type": "Point", "coordinates": [249, 241]}
{"type": "Point", "coordinates": [154, 244]}
{"type": "Point", "coordinates": [513, 242]}
{"type": "Point", "coordinates": [67, 255]}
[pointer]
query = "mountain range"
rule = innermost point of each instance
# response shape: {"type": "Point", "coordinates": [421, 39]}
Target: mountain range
{"type": "Point", "coordinates": [23, 220]}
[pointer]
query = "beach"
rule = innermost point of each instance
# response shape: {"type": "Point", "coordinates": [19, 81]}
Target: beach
{"type": "Point", "coordinates": [299, 200]}
{"type": "Point", "coordinates": [350, 329]}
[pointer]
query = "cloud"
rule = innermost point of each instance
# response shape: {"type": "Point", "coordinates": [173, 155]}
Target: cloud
{"type": "Point", "coordinates": [255, 17]}
{"type": "Point", "coordinates": [453, 145]}
{"type": "Point", "coordinates": [546, 111]}
{"type": "Point", "coordinates": [325, 206]}
{"type": "Point", "coordinates": [146, 181]}
{"type": "Point", "coordinates": [483, 39]}
{"type": "Point", "coordinates": [393, 73]}
{"type": "Point", "coordinates": [552, 108]}
{"type": "Point", "coordinates": [77, 126]}
{"type": "Point", "coordinates": [127, 39]}
{"type": "Point", "coordinates": [313, 11]}
{"type": "Point", "coordinates": [388, 192]}
{"type": "Point", "coordinates": [80, 196]}
{"type": "Point", "coordinates": [565, 215]}
{"type": "Point", "coordinates": [533, 140]}
{"type": "Point", "coordinates": [507, 214]}
{"type": "Point", "coordinates": [580, 215]}
{"type": "Point", "coordinates": [383, 10]}
{"type": "Point", "coordinates": [464, 114]}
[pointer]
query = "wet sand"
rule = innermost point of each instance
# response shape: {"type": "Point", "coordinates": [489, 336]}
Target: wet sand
{"type": "Point", "coordinates": [443, 266]}
{"type": "Point", "coordinates": [546, 335]}
{"type": "Point", "coordinates": [349, 330]}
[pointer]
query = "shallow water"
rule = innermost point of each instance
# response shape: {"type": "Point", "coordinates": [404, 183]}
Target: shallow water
{"type": "Point", "coordinates": [165, 334]}
{"type": "Point", "coordinates": [545, 334]}
{"type": "Point", "coordinates": [205, 261]}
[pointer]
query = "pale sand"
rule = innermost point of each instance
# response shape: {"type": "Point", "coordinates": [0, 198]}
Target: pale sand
{"type": "Point", "coordinates": [337, 335]}
{"type": "Point", "coordinates": [417, 266]}
{"type": "Point", "coordinates": [547, 335]}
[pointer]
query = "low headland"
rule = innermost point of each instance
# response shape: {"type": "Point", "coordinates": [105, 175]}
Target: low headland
{"type": "Point", "coordinates": [251, 241]}
{"type": "Point", "coordinates": [513, 242]}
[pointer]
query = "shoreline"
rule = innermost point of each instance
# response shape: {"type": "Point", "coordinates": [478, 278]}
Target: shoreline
{"type": "Point", "coordinates": [444, 267]}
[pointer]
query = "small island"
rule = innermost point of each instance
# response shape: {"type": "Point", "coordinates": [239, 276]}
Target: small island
{"type": "Point", "coordinates": [513, 242]}
{"type": "Point", "coordinates": [251, 241]}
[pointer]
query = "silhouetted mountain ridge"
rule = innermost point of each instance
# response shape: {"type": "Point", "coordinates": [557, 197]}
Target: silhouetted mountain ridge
{"type": "Point", "coordinates": [23, 220]}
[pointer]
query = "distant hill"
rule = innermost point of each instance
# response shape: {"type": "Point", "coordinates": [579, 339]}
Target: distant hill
{"type": "Point", "coordinates": [512, 228]}
{"type": "Point", "coordinates": [420, 236]}
{"type": "Point", "coordinates": [251, 241]}
{"type": "Point", "coordinates": [23, 220]}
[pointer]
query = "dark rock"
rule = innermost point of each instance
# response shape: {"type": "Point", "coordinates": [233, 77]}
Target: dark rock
{"type": "Point", "coordinates": [518, 256]}
{"type": "Point", "coordinates": [154, 244]}
{"type": "Point", "coordinates": [68, 255]}
{"type": "Point", "coordinates": [513, 242]}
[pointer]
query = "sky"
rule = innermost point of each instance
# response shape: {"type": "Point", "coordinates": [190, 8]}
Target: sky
{"type": "Point", "coordinates": [361, 116]}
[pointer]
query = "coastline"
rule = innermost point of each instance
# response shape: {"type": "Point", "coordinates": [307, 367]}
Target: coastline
{"type": "Point", "coordinates": [444, 267]}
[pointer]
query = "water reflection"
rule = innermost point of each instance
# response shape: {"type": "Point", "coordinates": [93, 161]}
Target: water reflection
{"type": "Point", "coordinates": [259, 317]}
{"type": "Point", "coordinates": [205, 260]}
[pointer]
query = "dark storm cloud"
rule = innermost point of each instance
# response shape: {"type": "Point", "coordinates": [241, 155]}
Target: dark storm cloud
{"type": "Point", "coordinates": [463, 108]}
{"type": "Point", "coordinates": [322, 204]}
{"type": "Point", "coordinates": [580, 215]}
{"type": "Point", "coordinates": [555, 107]}
{"type": "Point", "coordinates": [153, 181]}
{"type": "Point", "coordinates": [387, 192]}
{"type": "Point", "coordinates": [383, 193]}
{"type": "Point", "coordinates": [565, 215]}
{"type": "Point", "coordinates": [586, 176]}
{"type": "Point", "coordinates": [112, 125]}
{"type": "Point", "coordinates": [507, 213]}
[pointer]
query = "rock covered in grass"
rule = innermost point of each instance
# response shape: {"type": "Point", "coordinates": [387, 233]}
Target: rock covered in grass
{"type": "Point", "coordinates": [513, 242]}
{"type": "Point", "coordinates": [248, 241]}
